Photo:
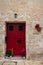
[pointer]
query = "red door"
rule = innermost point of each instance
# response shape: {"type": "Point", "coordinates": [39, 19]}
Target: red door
{"type": "Point", "coordinates": [15, 43]}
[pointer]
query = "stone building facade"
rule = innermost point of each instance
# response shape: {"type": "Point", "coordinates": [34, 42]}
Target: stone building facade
{"type": "Point", "coordinates": [32, 13]}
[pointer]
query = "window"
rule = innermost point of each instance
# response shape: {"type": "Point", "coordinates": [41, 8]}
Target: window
{"type": "Point", "coordinates": [11, 27]}
{"type": "Point", "coordinates": [20, 27]}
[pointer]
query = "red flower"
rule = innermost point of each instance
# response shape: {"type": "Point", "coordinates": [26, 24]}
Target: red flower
{"type": "Point", "coordinates": [37, 25]}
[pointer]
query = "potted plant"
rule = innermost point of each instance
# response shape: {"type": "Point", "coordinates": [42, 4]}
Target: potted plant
{"type": "Point", "coordinates": [37, 27]}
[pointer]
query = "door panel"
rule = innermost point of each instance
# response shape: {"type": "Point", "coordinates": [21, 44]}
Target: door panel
{"type": "Point", "coordinates": [15, 33]}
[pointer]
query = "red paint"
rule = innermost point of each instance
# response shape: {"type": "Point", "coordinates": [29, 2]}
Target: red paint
{"type": "Point", "coordinates": [13, 36]}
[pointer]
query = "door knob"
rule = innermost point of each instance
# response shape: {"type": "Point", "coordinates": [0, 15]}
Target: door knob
{"type": "Point", "coordinates": [18, 41]}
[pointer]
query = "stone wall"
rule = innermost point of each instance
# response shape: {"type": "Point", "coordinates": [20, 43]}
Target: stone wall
{"type": "Point", "coordinates": [32, 13]}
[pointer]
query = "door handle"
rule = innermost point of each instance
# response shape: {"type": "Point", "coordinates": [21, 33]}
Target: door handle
{"type": "Point", "coordinates": [19, 41]}
{"type": "Point", "coordinates": [5, 38]}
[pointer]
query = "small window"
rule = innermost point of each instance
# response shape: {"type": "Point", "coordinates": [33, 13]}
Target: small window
{"type": "Point", "coordinates": [11, 27]}
{"type": "Point", "coordinates": [20, 27]}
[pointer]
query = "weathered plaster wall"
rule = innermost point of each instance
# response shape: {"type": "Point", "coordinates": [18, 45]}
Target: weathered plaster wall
{"type": "Point", "coordinates": [32, 13]}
